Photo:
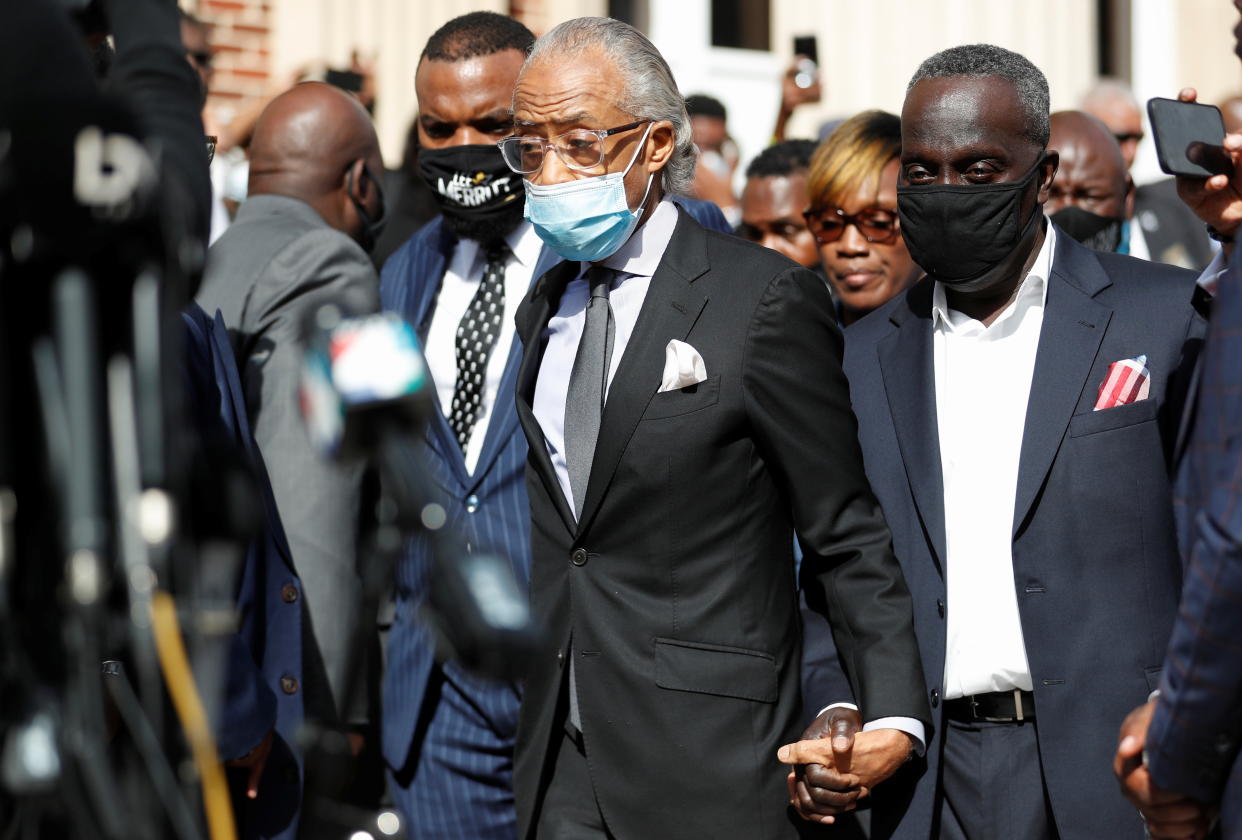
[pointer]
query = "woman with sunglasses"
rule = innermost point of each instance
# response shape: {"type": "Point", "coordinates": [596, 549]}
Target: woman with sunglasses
{"type": "Point", "coordinates": [853, 214]}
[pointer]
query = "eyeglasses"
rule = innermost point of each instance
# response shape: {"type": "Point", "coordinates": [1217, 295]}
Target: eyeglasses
{"type": "Point", "coordinates": [877, 225]}
{"type": "Point", "coordinates": [581, 149]}
{"type": "Point", "coordinates": [754, 233]}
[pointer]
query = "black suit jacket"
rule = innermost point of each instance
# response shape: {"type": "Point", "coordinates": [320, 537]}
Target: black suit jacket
{"type": "Point", "coordinates": [1095, 556]}
{"type": "Point", "coordinates": [677, 586]}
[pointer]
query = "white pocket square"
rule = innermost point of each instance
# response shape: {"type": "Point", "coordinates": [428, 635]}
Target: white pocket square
{"type": "Point", "coordinates": [683, 366]}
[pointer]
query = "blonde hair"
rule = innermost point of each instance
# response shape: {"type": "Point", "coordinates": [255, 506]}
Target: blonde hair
{"type": "Point", "coordinates": [852, 157]}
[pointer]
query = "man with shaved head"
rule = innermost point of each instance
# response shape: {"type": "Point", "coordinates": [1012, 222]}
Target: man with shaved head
{"type": "Point", "coordinates": [1092, 196]}
{"type": "Point", "coordinates": [301, 240]}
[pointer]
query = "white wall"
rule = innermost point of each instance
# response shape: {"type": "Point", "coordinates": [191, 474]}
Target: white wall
{"type": "Point", "coordinates": [868, 49]}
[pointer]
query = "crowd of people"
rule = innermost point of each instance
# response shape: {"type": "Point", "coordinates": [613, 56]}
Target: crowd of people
{"type": "Point", "coordinates": [858, 504]}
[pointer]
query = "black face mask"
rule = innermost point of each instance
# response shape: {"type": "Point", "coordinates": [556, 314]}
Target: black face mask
{"type": "Point", "coordinates": [479, 195]}
{"type": "Point", "coordinates": [371, 228]}
{"type": "Point", "coordinates": [958, 233]}
{"type": "Point", "coordinates": [1099, 233]}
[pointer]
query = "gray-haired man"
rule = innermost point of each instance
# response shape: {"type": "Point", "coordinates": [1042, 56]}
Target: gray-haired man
{"type": "Point", "coordinates": [684, 401]}
{"type": "Point", "coordinates": [1016, 409]}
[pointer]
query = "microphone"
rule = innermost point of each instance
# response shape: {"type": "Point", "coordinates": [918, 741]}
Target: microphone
{"type": "Point", "coordinates": [365, 392]}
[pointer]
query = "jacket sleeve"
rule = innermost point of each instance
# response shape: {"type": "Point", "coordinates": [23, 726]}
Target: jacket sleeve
{"type": "Point", "coordinates": [1196, 731]}
{"type": "Point", "coordinates": [798, 400]}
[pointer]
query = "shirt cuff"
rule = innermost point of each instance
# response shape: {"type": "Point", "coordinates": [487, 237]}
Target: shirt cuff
{"type": "Point", "coordinates": [1211, 275]}
{"type": "Point", "coordinates": [910, 726]}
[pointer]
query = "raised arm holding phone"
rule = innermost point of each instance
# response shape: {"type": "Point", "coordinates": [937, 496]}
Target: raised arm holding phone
{"type": "Point", "coordinates": [1179, 756]}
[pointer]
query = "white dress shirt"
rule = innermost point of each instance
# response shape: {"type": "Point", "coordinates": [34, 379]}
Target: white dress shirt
{"type": "Point", "coordinates": [634, 263]}
{"type": "Point", "coordinates": [983, 384]}
{"type": "Point", "coordinates": [1138, 241]}
{"type": "Point", "coordinates": [461, 281]}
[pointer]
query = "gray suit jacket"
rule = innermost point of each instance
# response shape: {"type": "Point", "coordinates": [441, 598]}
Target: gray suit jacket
{"type": "Point", "coordinates": [277, 260]}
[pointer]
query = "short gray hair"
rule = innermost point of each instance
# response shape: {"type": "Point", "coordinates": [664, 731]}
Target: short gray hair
{"type": "Point", "coordinates": [648, 91]}
{"type": "Point", "coordinates": [990, 60]}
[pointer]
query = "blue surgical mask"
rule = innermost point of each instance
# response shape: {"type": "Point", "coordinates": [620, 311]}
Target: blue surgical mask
{"type": "Point", "coordinates": [587, 219]}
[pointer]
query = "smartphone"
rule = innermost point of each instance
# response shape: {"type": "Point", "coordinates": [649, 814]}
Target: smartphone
{"type": "Point", "coordinates": [344, 79]}
{"type": "Point", "coordinates": [806, 46]}
{"type": "Point", "coordinates": [1188, 138]}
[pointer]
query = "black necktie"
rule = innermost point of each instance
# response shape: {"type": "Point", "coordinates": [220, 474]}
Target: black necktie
{"type": "Point", "coordinates": [476, 337]}
{"type": "Point", "coordinates": [584, 399]}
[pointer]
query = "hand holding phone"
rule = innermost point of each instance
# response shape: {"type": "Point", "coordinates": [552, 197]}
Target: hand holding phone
{"type": "Point", "coordinates": [1188, 138]}
{"type": "Point", "coordinates": [1217, 199]}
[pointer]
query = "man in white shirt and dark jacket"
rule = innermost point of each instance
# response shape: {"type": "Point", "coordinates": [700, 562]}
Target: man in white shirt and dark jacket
{"type": "Point", "coordinates": [1017, 411]}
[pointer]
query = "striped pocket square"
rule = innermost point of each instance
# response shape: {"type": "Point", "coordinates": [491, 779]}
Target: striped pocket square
{"type": "Point", "coordinates": [1128, 381]}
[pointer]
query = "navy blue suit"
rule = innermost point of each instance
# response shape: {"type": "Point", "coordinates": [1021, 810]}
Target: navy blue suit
{"type": "Point", "coordinates": [458, 782]}
{"type": "Point", "coordinates": [264, 664]}
{"type": "Point", "coordinates": [1094, 545]}
{"type": "Point", "coordinates": [1194, 740]}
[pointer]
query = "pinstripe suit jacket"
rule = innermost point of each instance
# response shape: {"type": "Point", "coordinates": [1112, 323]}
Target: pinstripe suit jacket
{"type": "Point", "coordinates": [488, 509]}
{"type": "Point", "coordinates": [1195, 739]}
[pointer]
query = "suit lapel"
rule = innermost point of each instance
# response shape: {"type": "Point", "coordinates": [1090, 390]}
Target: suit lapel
{"type": "Point", "coordinates": [504, 419]}
{"type": "Point", "coordinates": [907, 363]}
{"type": "Point", "coordinates": [1073, 327]}
{"type": "Point", "coordinates": [420, 306]}
{"type": "Point", "coordinates": [532, 318]}
{"type": "Point", "coordinates": [669, 310]}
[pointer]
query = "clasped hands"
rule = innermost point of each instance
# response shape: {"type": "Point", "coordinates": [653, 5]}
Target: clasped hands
{"type": "Point", "coordinates": [835, 765]}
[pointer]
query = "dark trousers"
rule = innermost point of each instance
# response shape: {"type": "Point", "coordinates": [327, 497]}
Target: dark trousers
{"type": "Point", "coordinates": [993, 783]}
{"type": "Point", "coordinates": [569, 810]}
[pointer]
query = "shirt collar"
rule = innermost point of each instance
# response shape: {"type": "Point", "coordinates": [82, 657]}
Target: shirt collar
{"type": "Point", "coordinates": [525, 244]}
{"type": "Point", "coordinates": [1034, 288]}
{"type": "Point", "coordinates": [642, 252]}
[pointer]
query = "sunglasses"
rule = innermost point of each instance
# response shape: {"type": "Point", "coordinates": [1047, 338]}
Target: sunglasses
{"type": "Point", "coordinates": [877, 225]}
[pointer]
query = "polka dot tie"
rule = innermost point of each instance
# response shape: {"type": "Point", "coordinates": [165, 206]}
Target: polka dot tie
{"type": "Point", "coordinates": [476, 337]}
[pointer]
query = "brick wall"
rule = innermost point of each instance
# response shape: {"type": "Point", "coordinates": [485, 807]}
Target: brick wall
{"type": "Point", "coordinates": [241, 41]}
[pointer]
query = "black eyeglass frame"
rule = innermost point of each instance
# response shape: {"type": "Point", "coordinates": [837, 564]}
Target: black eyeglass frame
{"type": "Point", "coordinates": [812, 215]}
{"type": "Point", "coordinates": [601, 133]}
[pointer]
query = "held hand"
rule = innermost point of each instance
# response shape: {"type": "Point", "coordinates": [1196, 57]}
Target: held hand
{"type": "Point", "coordinates": [255, 761]}
{"type": "Point", "coordinates": [834, 790]}
{"type": "Point", "coordinates": [1167, 815]}
{"type": "Point", "coordinates": [1216, 200]}
{"type": "Point", "coordinates": [792, 95]}
{"type": "Point", "coordinates": [873, 757]}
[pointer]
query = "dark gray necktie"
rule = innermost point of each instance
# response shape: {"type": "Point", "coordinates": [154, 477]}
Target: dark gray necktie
{"type": "Point", "coordinates": [584, 406]}
{"type": "Point", "coordinates": [476, 336]}
{"type": "Point", "coordinates": [588, 381]}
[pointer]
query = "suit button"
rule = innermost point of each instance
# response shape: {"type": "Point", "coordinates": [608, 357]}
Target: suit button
{"type": "Point", "coordinates": [560, 658]}
{"type": "Point", "coordinates": [472, 503]}
{"type": "Point", "coordinates": [935, 697]}
{"type": "Point", "coordinates": [940, 606]}
{"type": "Point", "coordinates": [579, 557]}
{"type": "Point", "coordinates": [289, 593]}
{"type": "Point", "coordinates": [289, 685]}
